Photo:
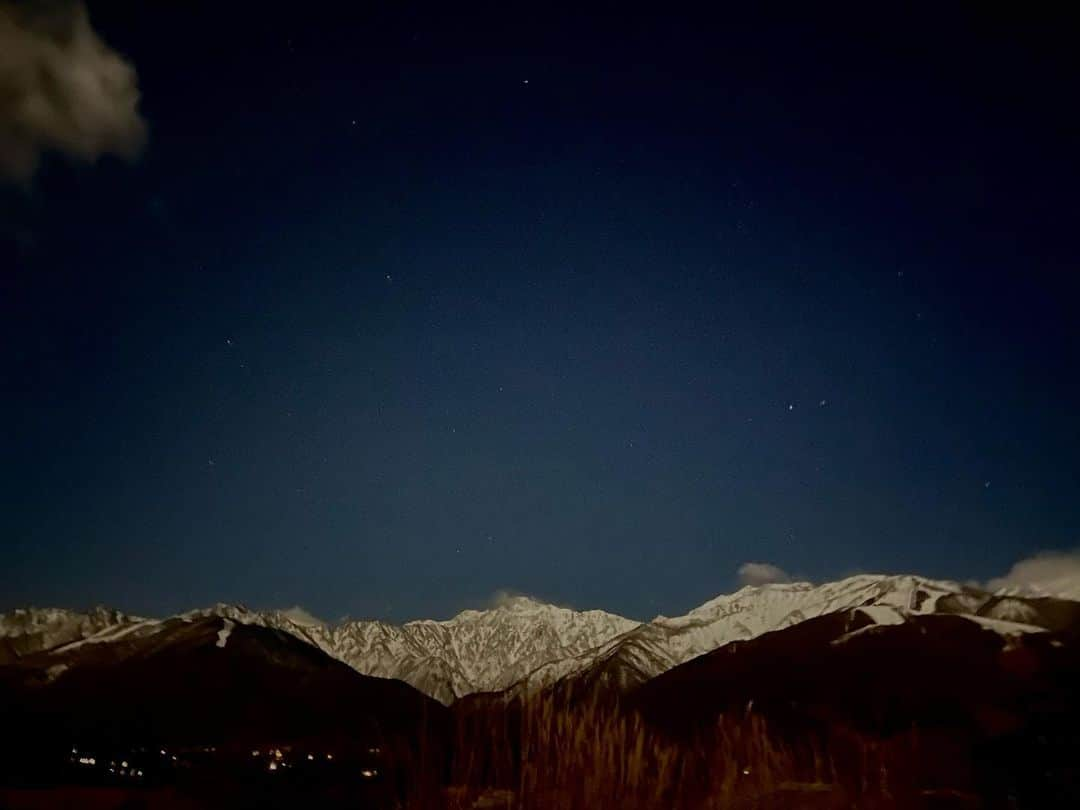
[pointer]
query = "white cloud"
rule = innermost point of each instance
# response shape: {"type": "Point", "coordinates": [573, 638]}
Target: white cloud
{"type": "Point", "coordinates": [62, 89]}
{"type": "Point", "coordinates": [508, 597]}
{"type": "Point", "coordinates": [302, 617]}
{"type": "Point", "coordinates": [757, 573]}
{"type": "Point", "coordinates": [1048, 573]}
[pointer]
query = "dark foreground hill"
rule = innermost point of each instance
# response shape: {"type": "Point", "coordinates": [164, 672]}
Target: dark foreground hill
{"type": "Point", "coordinates": [961, 706]}
{"type": "Point", "coordinates": [210, 696]}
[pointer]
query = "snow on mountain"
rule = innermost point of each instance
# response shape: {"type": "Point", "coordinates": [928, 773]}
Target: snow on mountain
{"type": "Point", "coordinates": [30, 630]}
{"type": "Point", "coordinates": [650, 649]}
{"type": "Point", "coordinates": [476, 650]}
{"type": "Point", "coordinates": [524, 645]}
{"type": "Point", "coordinates": [130, 630]}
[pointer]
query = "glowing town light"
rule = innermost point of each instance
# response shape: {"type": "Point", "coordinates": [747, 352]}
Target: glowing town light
{"type": "Point", "coordinates": [310, 756]}
{"type": "Point", "coordinates": [254, 753]}
{"type": "Point", "coordinates": [273, 766]}
{"type": "Point", "coordinates": [369, 773]}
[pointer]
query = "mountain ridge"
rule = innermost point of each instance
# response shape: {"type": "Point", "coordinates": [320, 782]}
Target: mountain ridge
{"type": "Point", "coordinates": [524, 645]}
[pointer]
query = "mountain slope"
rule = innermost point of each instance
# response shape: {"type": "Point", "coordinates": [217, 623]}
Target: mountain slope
{"type": "Point", "coordinates": [650, 649]}
{"type": "Point", "coordinates": [29, 630]}
{"type": "Point", "coordinates": [982, 706]}
{"type": "Point", "coordinates": [205, 680]}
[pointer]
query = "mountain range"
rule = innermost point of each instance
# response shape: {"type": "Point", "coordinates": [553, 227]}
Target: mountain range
{"type": "Point", "coordinates": [523, 646]}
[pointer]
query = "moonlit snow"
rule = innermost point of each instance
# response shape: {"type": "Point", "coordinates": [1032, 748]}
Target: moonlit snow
{"type": "Point", "coordinates": [223, 633]}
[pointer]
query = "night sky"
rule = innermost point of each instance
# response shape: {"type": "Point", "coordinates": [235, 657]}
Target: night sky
{"type": "Point", "coordinates": [386, 311]}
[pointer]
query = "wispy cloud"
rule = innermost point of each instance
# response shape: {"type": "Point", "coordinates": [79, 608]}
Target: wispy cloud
{"type": "Point", "coordinates": [302, 617]}
{"type": "Point", "coordinates": [507, 596]}
{"type": "Point", "coordinates": [62, 89]}
{"type": "Point", "coordinates": [759, 573]}
{"type": "Point", "coordinates": [1053, 573]}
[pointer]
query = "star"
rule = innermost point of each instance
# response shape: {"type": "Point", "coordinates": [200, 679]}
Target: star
{"type": "Point", "coordinates": [986, 485]}
{"type": "Point", "coordinates": [791, 407]}
{"type": "Point", "coordinates": [823, 403]}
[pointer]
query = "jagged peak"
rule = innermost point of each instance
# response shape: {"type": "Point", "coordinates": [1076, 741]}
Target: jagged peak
{"type": "Point", "coordinates": [39, 617]}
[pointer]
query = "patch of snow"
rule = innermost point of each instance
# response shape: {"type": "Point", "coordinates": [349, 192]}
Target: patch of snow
{"type": "Point", "coordinates": [110, 634]}
{"type": "Point", "coordinates": [55, 671]}
{"type": "Point", "coordinates": [882, 614]}
{"type": "Point", "coordinates": [1005, 628]}
{"type": "Point", "coordinates": [224, 632]}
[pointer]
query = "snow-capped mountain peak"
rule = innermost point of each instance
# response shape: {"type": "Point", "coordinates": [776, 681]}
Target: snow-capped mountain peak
{"type": "Point", "coordinates": [476, 650]}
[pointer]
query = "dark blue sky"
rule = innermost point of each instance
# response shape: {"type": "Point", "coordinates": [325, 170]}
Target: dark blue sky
{"type": "Point", "coordinates": [397, 310]}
